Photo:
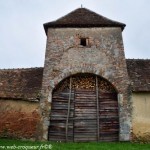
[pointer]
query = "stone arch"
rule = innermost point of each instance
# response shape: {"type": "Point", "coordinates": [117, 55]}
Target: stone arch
{"type": "Point", "coordinates": [82, 69]}
{"type": "Point", "coordinates": [69, 95]}
{"type": "Point", "coordinates": [71, 75]}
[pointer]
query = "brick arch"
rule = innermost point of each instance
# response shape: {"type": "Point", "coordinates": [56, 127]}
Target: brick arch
{"type": "Point", "coordinates": [57, 81]}
{"type": "Point", "coordinates": [82, 69]}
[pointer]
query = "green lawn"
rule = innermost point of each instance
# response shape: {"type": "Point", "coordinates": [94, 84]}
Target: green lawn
{"type": "Point", "coordinates": [28, 145]}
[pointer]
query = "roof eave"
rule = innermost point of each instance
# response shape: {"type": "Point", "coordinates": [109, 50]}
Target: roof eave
{"type": "Point", "coordinates": [48, 25]}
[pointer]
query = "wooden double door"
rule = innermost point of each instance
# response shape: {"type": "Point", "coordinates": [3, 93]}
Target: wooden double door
{"type": "Point", "coordinates": [84, 108]}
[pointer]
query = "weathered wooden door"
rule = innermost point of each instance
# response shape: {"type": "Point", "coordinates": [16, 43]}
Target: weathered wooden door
{"type": "Point", "coordinates": [108, 117]}
{"type": "Point", "coordinates": [84, 108]}
{"type": "Point", "coordinates": [62, 113]}
{"type": "Point", "coordinates": [85, 126]}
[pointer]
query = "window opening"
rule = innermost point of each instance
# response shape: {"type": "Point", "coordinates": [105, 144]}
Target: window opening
{"type": "Point", "coordinates": [83, 42]}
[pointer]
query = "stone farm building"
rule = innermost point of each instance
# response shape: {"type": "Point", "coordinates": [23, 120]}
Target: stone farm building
{"type": "Point", "coordinates": [86, 91]}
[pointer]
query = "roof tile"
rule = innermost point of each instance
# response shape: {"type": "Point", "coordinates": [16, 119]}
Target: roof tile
{"type": "Point", "coordinates": [139, 73]}
{"type": "Point", "coordinates": [83, 17]}
{"type": "Point", "coordinates": [21, 83]}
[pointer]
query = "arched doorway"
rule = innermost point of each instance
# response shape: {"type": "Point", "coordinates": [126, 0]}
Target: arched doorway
{"type": "Point", "coordinates": [84, 108]}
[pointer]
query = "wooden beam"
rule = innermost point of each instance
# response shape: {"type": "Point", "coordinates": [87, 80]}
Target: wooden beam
{"type": "Point", "coordinates": [97, 100]}
{"type": "Point", "coordinates": [67, 119]}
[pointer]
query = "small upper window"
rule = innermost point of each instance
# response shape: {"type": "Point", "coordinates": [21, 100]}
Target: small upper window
{"type": "Point", "coordinates": [83, 41]}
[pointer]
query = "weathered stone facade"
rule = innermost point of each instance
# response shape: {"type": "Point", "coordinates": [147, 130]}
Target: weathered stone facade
{"type": "Point", "coordinates": [103, 56]}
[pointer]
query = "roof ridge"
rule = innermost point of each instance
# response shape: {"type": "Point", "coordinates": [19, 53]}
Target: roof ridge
{"type": "Point", "coordinates": [140, 59]}
{"type": "Point", "coordinates": [11, 69]}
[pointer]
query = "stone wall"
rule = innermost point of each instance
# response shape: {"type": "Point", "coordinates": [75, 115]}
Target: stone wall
{"type": "Point", "coordinates": [103, 56]}
{"type": "Point", "coordinates": [19, 119]}
{"type": "Point", "coordinates": [141, 116]}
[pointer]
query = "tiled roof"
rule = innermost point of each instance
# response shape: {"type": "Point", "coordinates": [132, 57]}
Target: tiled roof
{"type": "Point", "coordinates": [139, 73]}
{"type": "Point", "coordinates": [83, 17]}
{"type": "Point", "coordinates": [21, 83]}
{"type": "Point", "coordinates": [26, 83]}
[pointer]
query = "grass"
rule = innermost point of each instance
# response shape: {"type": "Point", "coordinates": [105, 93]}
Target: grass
{"type": "Point", "coordinates": [29, 145]}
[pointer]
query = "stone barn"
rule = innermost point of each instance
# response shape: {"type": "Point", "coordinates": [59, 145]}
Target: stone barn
{"type": "Point", "coordinates": [86, 91]}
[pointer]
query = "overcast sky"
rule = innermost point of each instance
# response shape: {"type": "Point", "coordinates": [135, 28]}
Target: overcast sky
{"type": "Point", "coordinates": [23, 40]}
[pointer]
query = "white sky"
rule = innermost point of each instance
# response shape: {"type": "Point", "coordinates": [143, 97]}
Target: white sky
{"type": "Point", "coordinates": [22, 36]}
